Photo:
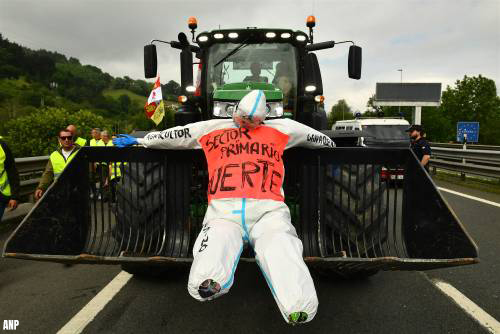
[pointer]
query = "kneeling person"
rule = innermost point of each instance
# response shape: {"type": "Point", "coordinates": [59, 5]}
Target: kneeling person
{"type": "Point", "coordinates": [246, 203]}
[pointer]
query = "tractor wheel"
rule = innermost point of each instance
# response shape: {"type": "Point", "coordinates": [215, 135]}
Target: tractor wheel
{"type": "Point", "coordinates": [358, 219]}
{"type": "Point", "coordinates": [139, 207]}
{"type": "Point", "coordinates": [153, 211]}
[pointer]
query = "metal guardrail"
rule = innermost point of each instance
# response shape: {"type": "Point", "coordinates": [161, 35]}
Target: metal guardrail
{"type": "Point", "coordinates": [469, 161]}
{"type": "Point", "coordinates": [30, 169]}
{"type": "Point", "coordinates": [469, 146]}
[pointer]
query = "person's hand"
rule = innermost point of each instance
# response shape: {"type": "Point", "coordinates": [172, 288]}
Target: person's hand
{"type": "Point", "coordinates": [38, 194]}
{"type": "Point", "coordinates": [12, 205]}
{"type": "Point", "coordinates": [125, 140]}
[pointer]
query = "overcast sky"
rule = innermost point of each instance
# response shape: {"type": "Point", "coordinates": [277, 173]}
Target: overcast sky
{"type": "Point", "coordinates": [432, 41]}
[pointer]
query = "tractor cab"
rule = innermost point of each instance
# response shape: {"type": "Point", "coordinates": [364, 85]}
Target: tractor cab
{"type": "Point", "coordinates": [232, 62]}
{"type": "Point", "coordinates": [241, 60]}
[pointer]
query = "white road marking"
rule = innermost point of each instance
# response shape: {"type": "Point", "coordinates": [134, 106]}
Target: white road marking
{"type": "Point", "coordinates": [482, 200]}
{"type": "Point", "coordinates": [477, 313]}
{"type": "Point", "coordinates": [78, 323]}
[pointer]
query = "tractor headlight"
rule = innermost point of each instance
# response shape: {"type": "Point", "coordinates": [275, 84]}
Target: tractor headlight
{"type": "Point", "coordinates": [224, 109]}
{"type": "Point", "coordinates": [301, 38]}
{"type": "Point", "coordinates": [274, 109]}
{"type": "Point", "coordinates": [202, 38]}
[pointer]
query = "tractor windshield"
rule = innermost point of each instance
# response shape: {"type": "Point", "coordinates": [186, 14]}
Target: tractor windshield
{"type": "Point", "coordinates": [273, 63]}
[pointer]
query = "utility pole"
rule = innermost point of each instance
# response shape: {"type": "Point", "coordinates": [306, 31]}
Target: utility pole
{"type": "Point", "coordinates": [400, 88]}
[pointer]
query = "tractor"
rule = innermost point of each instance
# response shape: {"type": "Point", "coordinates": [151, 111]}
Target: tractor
{"type": "Point", "coordinates": [350, 222]}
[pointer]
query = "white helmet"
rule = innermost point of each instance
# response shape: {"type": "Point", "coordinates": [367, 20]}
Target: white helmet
{"type": "Point", "coordinates": [251, 111]}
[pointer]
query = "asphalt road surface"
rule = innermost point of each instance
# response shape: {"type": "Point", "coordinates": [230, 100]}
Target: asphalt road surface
{"type": "Point", "coordinates": [44, 297]}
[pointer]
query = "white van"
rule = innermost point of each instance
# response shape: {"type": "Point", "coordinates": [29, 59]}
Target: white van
{"type": "Point", "coordinates": [376, 132]}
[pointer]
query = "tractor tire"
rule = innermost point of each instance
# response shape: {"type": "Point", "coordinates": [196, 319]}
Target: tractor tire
{"type": "Point", "coordinates": [148, 222]}
{"type": "Point", "coordinates": [358, 199]}
{"type": "Point", "coordinates": [140, 195]}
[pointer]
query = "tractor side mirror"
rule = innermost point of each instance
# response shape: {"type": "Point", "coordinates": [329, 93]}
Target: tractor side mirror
{"type": "Point", "coordinates": [313, 84]}
{"type": "Point", "coordinates": [150, 61]}
{"type": "Point", "coordinates": [186, 69]}
{"type": "Point", "coordinates": [354, 63]}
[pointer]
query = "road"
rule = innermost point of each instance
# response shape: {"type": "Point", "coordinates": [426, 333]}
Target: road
{"type": "Point", "coordinates": [46, 296]}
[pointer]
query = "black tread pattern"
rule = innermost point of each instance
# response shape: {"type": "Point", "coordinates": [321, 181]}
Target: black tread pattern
{"type": "Point", "coordinates": [139, 206]}
{"type": "Point", "coordinates": [358, 199]}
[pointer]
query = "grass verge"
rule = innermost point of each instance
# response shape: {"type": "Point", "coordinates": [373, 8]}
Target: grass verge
{"type": "Point", "coordinates": [473, 182]}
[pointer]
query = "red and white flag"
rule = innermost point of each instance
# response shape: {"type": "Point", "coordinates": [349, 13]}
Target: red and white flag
{"type": "Point", "coordinates": [154, 107]}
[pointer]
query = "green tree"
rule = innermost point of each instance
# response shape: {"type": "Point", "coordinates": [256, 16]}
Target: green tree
{"type": "Point", "coordinates": [437, 126]}
{"type": "Point", "coordinates": [36, 134]}
{"type": "Point", "coordinates": [340, 111]}
{"type": "Point", "coordinates": [170, 111]}
{"type": "Point", "coordinates": [125, 103]}
{"type": "Point", "coordinates": [171, 88]}
{"type": "Point", "coordinates": [474, 99]}
{"type": "Point", "coordinates": [377, 111]}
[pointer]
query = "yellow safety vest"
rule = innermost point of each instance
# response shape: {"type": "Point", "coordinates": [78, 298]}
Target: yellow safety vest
{"type": "Point", "coordinates": [102, 143]}
{"type": "Point", "coordinates": [4, 180]}
{"type": "Point", "coordinates": [116, 170]}
{"type": "Point", "coordinates": [59, 163]}
{"type": "Point", "coordinates": [115, 167]}
{"type": "Point", "coordinates": [81, 141]}
{"type": "Point", "coordinates": [94, 142]}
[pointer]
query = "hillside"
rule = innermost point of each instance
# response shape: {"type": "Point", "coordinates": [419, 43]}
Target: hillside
{"type": "Point", "coordinates": [35, 79]}
{"type": "Point", "coordinates": [116, 93]}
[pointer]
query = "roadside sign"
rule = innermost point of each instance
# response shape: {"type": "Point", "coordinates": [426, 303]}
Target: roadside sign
{"type": "Point", "coordinates": [468, 130]}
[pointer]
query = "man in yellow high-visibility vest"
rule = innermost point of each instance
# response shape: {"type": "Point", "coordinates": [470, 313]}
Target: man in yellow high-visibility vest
{"type": "Point", "coordinates": [9, 180]}
{"type": "Point", "coordinates": [58, 160]}
{"type": "Point", "coordinates": [105, 139]}
{"type": "Point", "coordinates": [78, 140]}
{"type": "Point", "coordinates": [96, 137]}
{"type": "Point", "coordinates": [113, 172]}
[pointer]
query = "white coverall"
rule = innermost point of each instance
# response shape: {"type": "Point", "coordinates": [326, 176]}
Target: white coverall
{"type": "Point", "coordinates": [246, 205]}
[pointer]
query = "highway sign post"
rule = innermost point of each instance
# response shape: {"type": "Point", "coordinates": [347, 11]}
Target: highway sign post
{"type": "Point", "coordinates": [467, 132]}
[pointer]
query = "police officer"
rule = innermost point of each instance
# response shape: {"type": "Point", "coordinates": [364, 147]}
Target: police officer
{"type": "Point", "coordinates": [58, 160]}
{"type": "Point", "coordinates": [9, 180]}
{"type": "Point", "coordinates": [419, 145]}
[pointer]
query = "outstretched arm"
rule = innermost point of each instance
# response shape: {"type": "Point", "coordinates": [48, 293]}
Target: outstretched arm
{"type": "Point", "coordinates": [302, 135]}
{"type": "Point", "coordinates": [179, 137]}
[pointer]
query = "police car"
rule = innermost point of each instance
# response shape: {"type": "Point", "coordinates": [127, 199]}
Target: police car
{"type": "Point", "coordinates": [375, 132]}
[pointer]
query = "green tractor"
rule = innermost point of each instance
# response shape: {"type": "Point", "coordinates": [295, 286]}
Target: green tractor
{"type": "Point", "coordinates": [232, 62]}
{"type": "Point", "coordinates": [350, 222]}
